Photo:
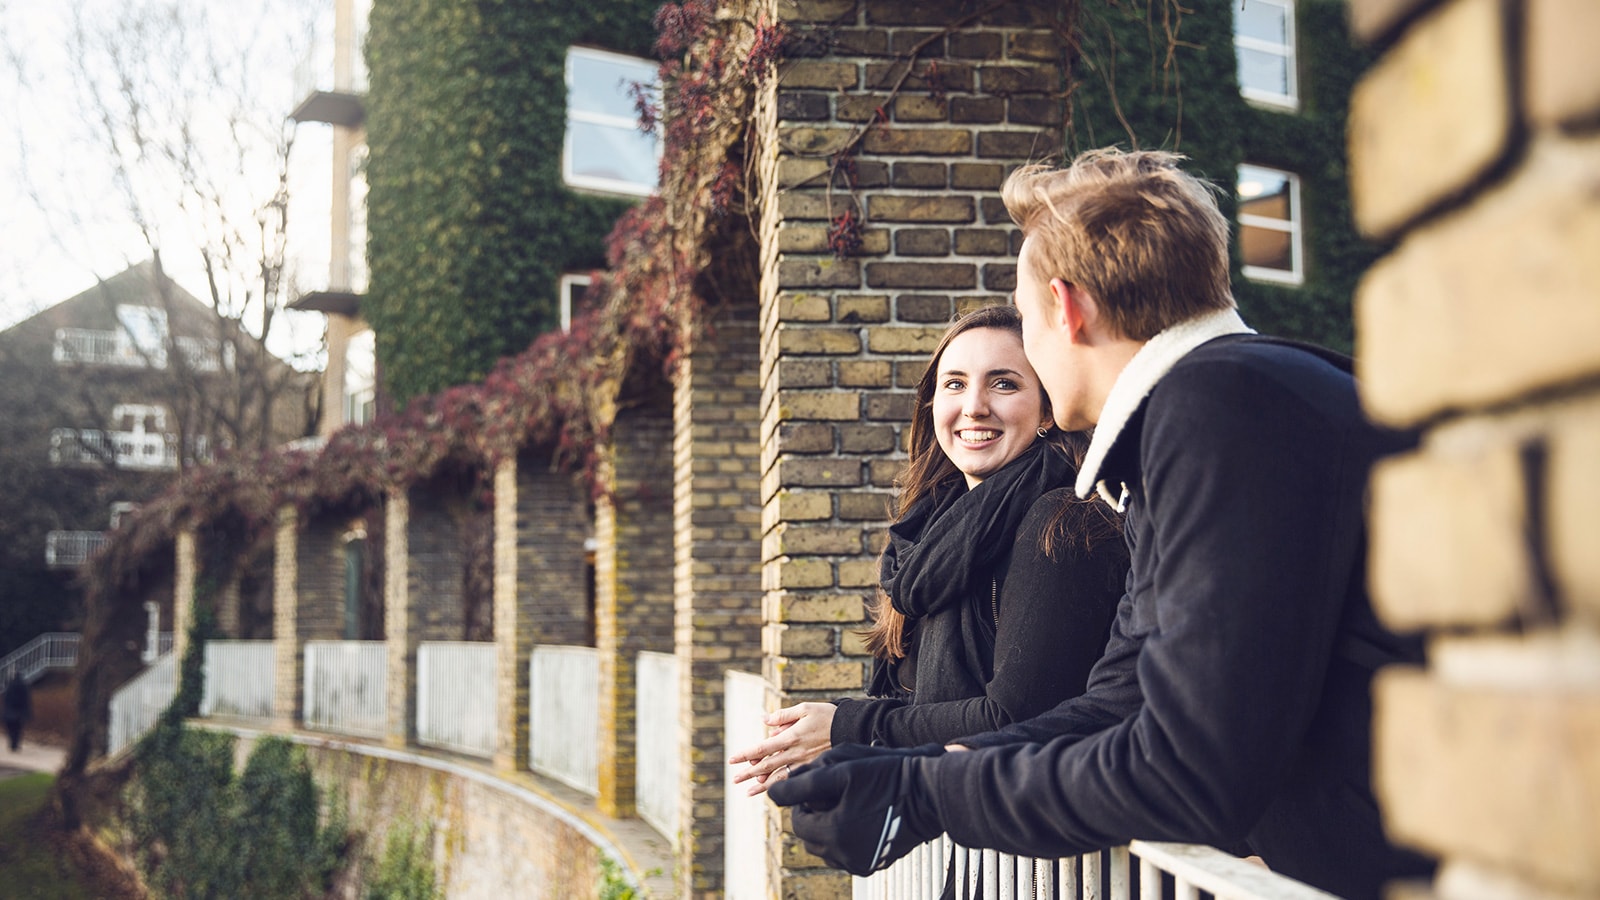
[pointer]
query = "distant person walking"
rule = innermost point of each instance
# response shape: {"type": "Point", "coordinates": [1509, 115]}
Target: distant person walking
{"type": "Point", "coordinates": [16, 708]}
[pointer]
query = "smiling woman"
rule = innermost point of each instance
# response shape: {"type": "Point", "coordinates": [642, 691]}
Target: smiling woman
{"type": "Point", "coordinates": [998, 586]}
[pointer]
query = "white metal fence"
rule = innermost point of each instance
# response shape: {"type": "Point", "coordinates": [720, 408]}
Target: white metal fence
{"type": "Point", "coordinates": [239, 679]}
{"type": "Point", "coordinates": [72, 548]}
{"type": "Point", "coordinates": [563, 718]}
{"type": "Point", "coordinates": [656, 755]}
{"type": "Point", "coordinates": [136, 705]}
{"type": "Point", "coordinates": [1180, 871]}
{"type": "Point", "coordinates": [51, 650]}
{"type": "Point", "coordinates": [456, 696]}
{"type": "Point", "coordinates": [346, 687]}
{"type": "Point", "coordinates": [744, 819]}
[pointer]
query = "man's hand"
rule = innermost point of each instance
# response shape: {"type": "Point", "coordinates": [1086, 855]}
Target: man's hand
{"type": "Point", "coordinates": [860, 808]}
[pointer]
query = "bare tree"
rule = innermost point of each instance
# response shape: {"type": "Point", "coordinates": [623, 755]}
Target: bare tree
{"type": "Point", "coordinates": [180, 138]}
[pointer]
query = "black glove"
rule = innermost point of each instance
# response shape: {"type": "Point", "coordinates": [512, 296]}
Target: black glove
{"type": "Point", "coordinates": [860, 808]}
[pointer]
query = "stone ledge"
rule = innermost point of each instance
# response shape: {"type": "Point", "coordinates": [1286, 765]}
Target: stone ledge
{"type": "Point", "coordinates": [645, 858]}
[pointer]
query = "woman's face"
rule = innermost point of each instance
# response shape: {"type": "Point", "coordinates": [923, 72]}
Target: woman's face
{"type": "Point", "coordinates": [987, 402]}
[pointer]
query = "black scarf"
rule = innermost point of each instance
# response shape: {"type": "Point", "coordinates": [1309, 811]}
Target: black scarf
{"type": "Point", "coordinates": [948, 550]}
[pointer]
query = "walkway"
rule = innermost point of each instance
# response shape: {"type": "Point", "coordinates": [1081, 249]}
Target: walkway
{"type": "Point", "coordinates": [33, 757]}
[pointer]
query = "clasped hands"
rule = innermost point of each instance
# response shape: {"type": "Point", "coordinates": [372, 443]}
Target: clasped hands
{"type": "Point", "coordinates": [860, 808]}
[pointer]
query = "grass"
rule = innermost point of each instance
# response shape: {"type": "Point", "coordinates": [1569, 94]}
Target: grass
{"type": "Point", "coordinates": [35, 862]}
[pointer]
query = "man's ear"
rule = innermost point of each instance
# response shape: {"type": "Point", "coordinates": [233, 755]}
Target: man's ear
{"type": "Point", "coordinates": [1078, 310]}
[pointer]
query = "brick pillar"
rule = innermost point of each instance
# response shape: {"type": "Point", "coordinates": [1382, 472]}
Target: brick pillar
{"type": "Point", "coordinates": [399, 634]}
{"type": "Point", "coordinates": [436, 562]}
{"type": "Point", "coordinates": [844, 340]}
{"type": "Point", "coordinates": [1475, 149]}
{"type": "Point", "coordinates": [285, 612]}
{"type": "Point", "coordinates": [633, 580]}
{"type": "Point", "coordinates": [541, 593]}
{"type": "Point", "coordinates": [185, 574]}
{"type": "Point", "coordinates": [717, 521]}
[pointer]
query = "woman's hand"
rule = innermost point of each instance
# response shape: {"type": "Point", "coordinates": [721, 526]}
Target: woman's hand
{"type": "Point", "coordinates": [800, 733]}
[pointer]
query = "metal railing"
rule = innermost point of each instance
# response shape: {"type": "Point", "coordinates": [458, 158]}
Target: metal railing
{"type": "Point", "coordinates": [1181, 871]}
{"type": "Point", "coordinates": [129, 449]}
{"type": "Point", "coordinates": [346, 687]}
{"type": "Point", "coordinates": [656, 755]}
{"type": "Point", "coordinates": [744, 818]}
{"type": "Point", "coordinates": [563, 715]}
{"type": "Point", "coordinates": [98, 347]}
{"type": "Point", "coordinates": [72, 548]}
{"type": "Point", "coordinates": [456, 696]}
{"type": "Point", "coordinates": [136, 705]}
{"type": "Point", "coordinates": [239, 679]}
{"type": "Point", "coordinates": [51, 650]}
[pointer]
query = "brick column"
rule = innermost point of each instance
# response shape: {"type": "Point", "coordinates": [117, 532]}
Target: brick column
{"type": "Point", "coordinates": [633, 581]}
{"type": "Point", "coordinates": [1475, 149]}
{"type": "Point", "coordinates": [399, 634]}
{"type": "Point", "coordinates": [285, 613]}
{"type": "Point", "coordinates": [717, 520]}
{"type": "Point", "coordinates": [844, 340]}
{"type": "Point", "coordinates": [185, 574]}
{"type": "Point", "coordinates": [541, 593]}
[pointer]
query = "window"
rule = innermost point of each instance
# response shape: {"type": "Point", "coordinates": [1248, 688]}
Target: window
{"type": "Point", "coordinates": [1269, 224]}
{"type": "Point", "coordinates": [573, 289]}
{"type": "Point", "coordinates": [360, 378]}
{"type": "Point", "coordinates": [1263, 41]}
{"type": "Point", "coordinates": [604, 148]}
{"type": "Point", "coordinates": [146, 330]}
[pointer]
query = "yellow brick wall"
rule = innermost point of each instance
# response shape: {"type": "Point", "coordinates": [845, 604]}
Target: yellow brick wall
{"type": "Point", "coordinates": [1475, 149]}
{"type": "Point", "coordinates": [844, 340]}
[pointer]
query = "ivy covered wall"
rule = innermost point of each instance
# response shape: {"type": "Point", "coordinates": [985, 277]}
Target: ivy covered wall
{"type": "Point", "coordinates": [470, 226]}
{"type": "Point", "coordinates": [1189, 101]}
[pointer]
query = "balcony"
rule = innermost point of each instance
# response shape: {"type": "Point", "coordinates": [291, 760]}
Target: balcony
{"type": "Point", "coordinates": [94, 347]}
{"type": "Point", "coordinates": [140, 450]}
{"type": "Point", "coordinates": [66, 549]}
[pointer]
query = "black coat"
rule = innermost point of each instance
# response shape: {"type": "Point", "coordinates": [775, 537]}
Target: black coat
{"type": "Point", "coordinates": [1007, 655]}
{"type": "Point", "coordinates": [1232, 704]}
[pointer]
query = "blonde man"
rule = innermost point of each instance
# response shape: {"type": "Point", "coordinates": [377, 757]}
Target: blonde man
{"type": "Point", "coordinates": [1231, 704]}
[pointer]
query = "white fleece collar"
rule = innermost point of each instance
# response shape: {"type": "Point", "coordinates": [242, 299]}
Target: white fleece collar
{"type": "Point", "coordinates": [1137, 380]}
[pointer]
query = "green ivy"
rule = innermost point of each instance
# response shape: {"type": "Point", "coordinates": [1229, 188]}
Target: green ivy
{"type": "Point", "coordinates": [405, 870]}
{"type": "Point", "coordinates": [1193, 105]}
{"type": "Point", "coordinates": [202, 832]}
{"type": "Point", "coordinates": [613, 886]}
{"type": "Point", "coordinates": [470, 224]}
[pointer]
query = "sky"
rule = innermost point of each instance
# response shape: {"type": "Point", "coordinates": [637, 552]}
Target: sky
{"type": "Point", "coordinates": [64, 222]}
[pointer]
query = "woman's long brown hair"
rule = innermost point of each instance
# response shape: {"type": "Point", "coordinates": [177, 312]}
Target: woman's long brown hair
{"type": "Point", "coordinates": [1077, 522]}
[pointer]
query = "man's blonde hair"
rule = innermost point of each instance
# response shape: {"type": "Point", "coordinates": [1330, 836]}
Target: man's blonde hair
{"type": "Point", "coordinates": [1144, 237]}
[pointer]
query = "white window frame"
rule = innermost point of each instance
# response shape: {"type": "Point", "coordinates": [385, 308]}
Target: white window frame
{"type": "Point", "coordinates": [1289, 51]}
{"type": "Point", "coordinates": [568, 282]}
{"type": "Point", "coordinates": [1294, 226]}
{"type": "Point", "coordinates": [357, 396]}
{"type": "Point", "coordinates": [603, 185]}
{"type": "Point", "coordinates": [357, 274]}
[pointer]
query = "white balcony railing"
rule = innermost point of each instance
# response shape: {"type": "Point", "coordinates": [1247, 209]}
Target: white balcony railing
{"type": "Point", "coordinates": [346, 687]}
{"type": "Point", "coordinates": [239, 679]}
{"type": "Point", "coordinates": [96, 347]}
{"type": "Point", "coordinates": [51, 650]}
{"type": "Point", "coordinates": [744, 844]}
{"type": "Point", "coordinates": [564, 701]}
{"type": "Point", "coordinates": [456, 696]}
{"type": "Point", "coordinates": [656, 756]}
{"type": "Point", "coordinates": [1186, 869]}
{"type": "Point", "coordinates": [71, 548]}
{"type": "Point", "coordinates": [1104, 875]}
{"type": "Point", "coordinates": [136, 705]}
{"type": "Point", "coordinates": [146, 450]}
